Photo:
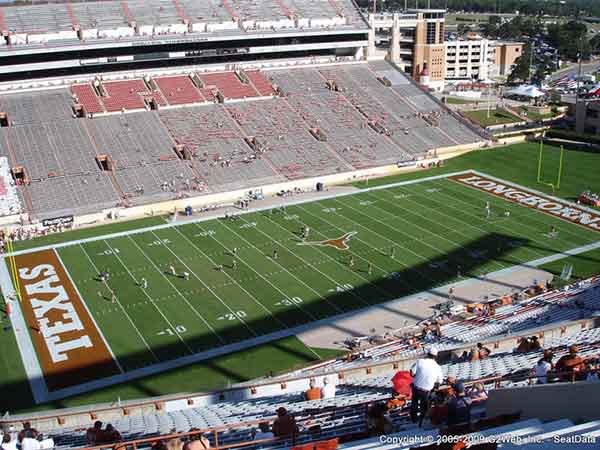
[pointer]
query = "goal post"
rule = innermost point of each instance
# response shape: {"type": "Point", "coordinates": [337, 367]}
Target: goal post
{"type": "Point", "coordinates": [556, 183]}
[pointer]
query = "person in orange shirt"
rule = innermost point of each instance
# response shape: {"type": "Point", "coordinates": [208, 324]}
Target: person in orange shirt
{"type": "Point", "coordinates": [570, 364]}
{"type": "Point", "coordinates": [313, 393]}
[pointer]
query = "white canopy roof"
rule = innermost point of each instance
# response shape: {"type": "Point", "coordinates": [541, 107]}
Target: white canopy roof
{"type": "Point", "coordinates": [527, 91]}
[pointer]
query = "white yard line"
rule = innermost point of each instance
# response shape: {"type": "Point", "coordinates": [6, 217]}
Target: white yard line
{"type": "Point", "coordinates": [89, 313]}
{"type": "Point", "coordinates": [251, 210]}
{"type": "Point", "coordinates": [208, 287]}
{"type": "Point", "coordinates": [141, 336]}
{"type": "Point", "coordinates": [257, 301]}
{"type": "Point", "coordinates": [116, 255]}
{"type": "Point", "coordinates": [283, 294]}
{"type": "Point", "coordinates": [335, 282]}
{"type": "Point", "coordinates": [352, 272]}
{"type": "Point", "coordinates": [31, 364]}
{"type": "Point", "coordinates": [284, 268]}
{"type": "Point", "coordinates": [253, 342]}
{"type": "Point", "coordinates": [183, 297]}
{"type": "Point", "coordinates": [457, 244]}
{"type": "Point", "coordinates": [530, 212]}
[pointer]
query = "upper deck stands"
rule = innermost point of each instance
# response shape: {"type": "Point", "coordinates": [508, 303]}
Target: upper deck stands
{"type": "Point", "coordinates": [260, 83]}
{"type": "Point", "coordinates": [86, 96]}
{"type": "Point", "coordinates": [129, 94]}
{"type": "Point", "coordinates": [179, 90]}
{"type": "Point", "coordinates": [229, 84]}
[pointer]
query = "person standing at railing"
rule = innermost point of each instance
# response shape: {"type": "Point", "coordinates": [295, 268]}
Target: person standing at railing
{"type": "Point", "coordinates": [570, 365]}
{"type": "Point", "coordinates": [427, 376]}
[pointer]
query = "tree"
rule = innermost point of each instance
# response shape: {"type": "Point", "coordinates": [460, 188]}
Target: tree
{"type": "Point", "coordinates": [521, 71]}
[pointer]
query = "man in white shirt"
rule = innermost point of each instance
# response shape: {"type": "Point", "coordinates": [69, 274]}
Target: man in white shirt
{"type": "Point", "coordinates": [427, 375]}
{"type": "Point", "coordinates": [328, 390]}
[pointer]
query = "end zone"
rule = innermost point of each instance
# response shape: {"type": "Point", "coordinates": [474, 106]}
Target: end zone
{"type": "Point", "coordinates": [68, 344]}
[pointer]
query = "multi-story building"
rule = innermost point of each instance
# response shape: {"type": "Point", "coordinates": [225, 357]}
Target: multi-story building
{"type": "Point", "coordinates": [505, 56]}
{"type": "Point", "coordinates": [468, 59]}
{"type": "Point", "coordinates": [480, 59]}
{"type": "Point", "coordinates": [413, 40]}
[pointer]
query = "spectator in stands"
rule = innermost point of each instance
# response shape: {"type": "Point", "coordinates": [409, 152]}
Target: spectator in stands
{"type": "Point", "coordinates": [570, 365]}
{"type": "Point", "coordinates": [427, 376]}
{"type": "Point", "coordinates": [534, 344]}
{"type": "Point", "coordinates": [27, 432]}
{"type": "Point", "coordinates": [175, 444]}
{"type": "Point", "coordinates": [459, 406]}
{"type": "Point", "coordinates": [402, 383]}
{"type": "Point", "coordinates": [46, 442]}
{"type": "Point", "coordinates": [109, 435]}
{"type": "Point", "coordinates": [378, 420]}
{"type": "Point", "coordinates": [92, 434]}
{"type": "Point", "coordinates": [328, 390]}
{"type": "Point", "coordinates": [396, 402]}
{"type": "Point", "coordinates": [313, 392]}
{"type": "Point", "coordinates": [27, 438]}
{"type": "Point", "coordinates": [8, 443]}
{"type": "Point", "coordinates": [263, 432]}
{"type": "Point", "coordinates": [285, 425]}
{"type": "Point", "coordinates": [197, 442]}
{"type": "Point", "coordinates": [543, 366]}
{"type": "Point", "coordinates": [591, 372]}
{"type": "Point", "coordinates": [482, 351]}
{"type": "Point", "coordinates": [477, 393]}
{"type": "Point", "coordinates": [159, 445]}
{"type": "Point", "coordinates": [523, 346]}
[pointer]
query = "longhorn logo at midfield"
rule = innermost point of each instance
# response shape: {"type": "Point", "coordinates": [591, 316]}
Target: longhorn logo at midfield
{"type": "Point", "coordinates": [340, 243]}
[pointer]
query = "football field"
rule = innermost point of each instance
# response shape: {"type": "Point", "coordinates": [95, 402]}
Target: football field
{"type": "Point", "coordinates": [175, 294]}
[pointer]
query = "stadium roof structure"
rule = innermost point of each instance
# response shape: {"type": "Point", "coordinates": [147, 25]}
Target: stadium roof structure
{"type": "Point", "coordinates": [54, 25]}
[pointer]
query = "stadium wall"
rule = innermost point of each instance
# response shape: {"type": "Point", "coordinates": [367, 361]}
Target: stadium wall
{"type": "Point", "coordinates": [111, 412]}
{"type": "Point", "coordinates": [223, 199]}
{"type": "Point", "coordinates": [548, 402]}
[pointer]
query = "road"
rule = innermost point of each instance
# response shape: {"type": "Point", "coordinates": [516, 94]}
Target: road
{"type": "Point", "coordinates": [573, 69]}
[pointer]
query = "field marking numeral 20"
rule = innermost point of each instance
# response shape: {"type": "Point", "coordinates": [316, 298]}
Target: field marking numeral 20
{"type": "Point", "coordinates": [233, 316]}
{"type": "Point", "coordinates": [290, 301]}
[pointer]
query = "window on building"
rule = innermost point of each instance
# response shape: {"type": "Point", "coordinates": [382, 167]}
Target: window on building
{"type": "Point", "coordinates": [431, 32]}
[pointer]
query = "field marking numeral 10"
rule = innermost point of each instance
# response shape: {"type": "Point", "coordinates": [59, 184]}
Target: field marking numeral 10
{"type": "Point", "coordinates": [109, 252]}
{"type": "Point", "coordinates": [233, 316]}
{"type": "Point", "coordinates": [170, 332]}
{"type": "Point", "coordinates": [344, 288]}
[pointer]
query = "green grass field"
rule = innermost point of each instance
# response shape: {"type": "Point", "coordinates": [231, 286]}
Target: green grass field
{"type": "Point", "coordinates": [435, 228]}
{"type": "Point", "coordinates": [496, 117]}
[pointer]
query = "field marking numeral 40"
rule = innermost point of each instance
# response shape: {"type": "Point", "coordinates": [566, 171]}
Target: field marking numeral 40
{"type": "Point", "coordinates": [233, 316]}
{"type": "Point", "coordinates": [206, 233]}
{"type": "Point", "coordinates": [109, 252]}
{"type": "Point", "coordinates": [170, 332]}
{"type": "Point", "coordinates": [159, 242]}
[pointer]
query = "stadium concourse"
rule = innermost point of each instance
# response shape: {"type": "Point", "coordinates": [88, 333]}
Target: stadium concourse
{"type": "Point", "coordinates": [348, 402]}
{"type": "Point", "coordinates": [119, 143]}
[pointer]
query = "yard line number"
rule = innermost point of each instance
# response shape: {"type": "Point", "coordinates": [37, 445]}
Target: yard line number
{"type": "Point", "coordinates": [236, 315]}
{"type": "Point", "coordinates": [109, 252]}
{"type": "Point", "coordinates": [170, 332]}
{"type": "Point", "coordinates": [290, 301]}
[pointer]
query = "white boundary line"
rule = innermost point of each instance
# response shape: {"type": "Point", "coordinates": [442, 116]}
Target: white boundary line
{"type": "Point", "coordinates": [31, 364]}
{"type": "Point", "coordinates": [42, 395]}
{"type": "Point", "coordinates": [249, 211]}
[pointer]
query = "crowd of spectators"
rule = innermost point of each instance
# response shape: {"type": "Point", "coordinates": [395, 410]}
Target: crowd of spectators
{"type": "Point", "coordinates": [27, 233]}
{"type": "Point", "coordinates": [26, 439]}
